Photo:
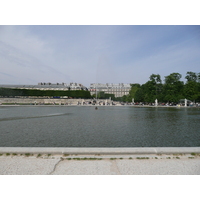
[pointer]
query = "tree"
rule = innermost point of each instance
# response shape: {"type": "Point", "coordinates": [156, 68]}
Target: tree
{"type": "Point", "coordinates": [191, 76]}
{"type": "Point", "coordinates": [139, 95]}
{"type": "Point", "coordinates": [155, 79]}
{"type": "Point", "coordinates": [173, 78]}
{"type": "Point", "coordinates": [173, 88]}
{"type": "Point", "coordinates": [101, 95]}
{"type": "Point", "coordinates": [191, 88]}
{"type": "Point", "coordinates": [132, 92]}
{"type": "Point", "coordinates": [198, 77]}
{"type": "Point", "coordinates": [149, 91]}
{"type": "Point", "coordinates": [157, 83]}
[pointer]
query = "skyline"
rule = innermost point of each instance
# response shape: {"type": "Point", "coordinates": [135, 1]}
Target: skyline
{"type": "Point", "coordinates": [96, 53]}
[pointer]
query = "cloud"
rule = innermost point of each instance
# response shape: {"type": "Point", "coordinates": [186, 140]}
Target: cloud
{"type": "Point", "coordinates": [88, 54]}
{"type": "Point", "coordinates": [175, 58]}
{"type": "Point", "coordinates": [25, 57]}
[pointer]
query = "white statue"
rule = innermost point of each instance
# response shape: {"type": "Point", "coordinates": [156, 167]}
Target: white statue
{"type": "Point", "coordinates": [156, 102]}
{"type": "Point", "coordinates": [185, 102]}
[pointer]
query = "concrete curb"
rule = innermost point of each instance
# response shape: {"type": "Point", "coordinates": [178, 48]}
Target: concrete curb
{"type": "Point", "coordinates": [82, 150]}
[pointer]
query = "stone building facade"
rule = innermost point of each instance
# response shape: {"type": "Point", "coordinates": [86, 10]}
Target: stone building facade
{"type": "Point", "coordinates": [118, 90]}
{"type": "Point", "coordinates": [48, 86]}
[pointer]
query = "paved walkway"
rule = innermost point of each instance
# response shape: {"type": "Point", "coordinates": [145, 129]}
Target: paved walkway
{"type": "Point", "coordinates": [37, 164]}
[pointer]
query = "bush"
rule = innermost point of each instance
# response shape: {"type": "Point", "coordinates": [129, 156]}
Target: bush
{"type": "Point", "coordinates": [7, 92]}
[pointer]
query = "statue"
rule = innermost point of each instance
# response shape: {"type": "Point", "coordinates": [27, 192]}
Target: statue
{"type": "Point", "coordinates": [156, 102]}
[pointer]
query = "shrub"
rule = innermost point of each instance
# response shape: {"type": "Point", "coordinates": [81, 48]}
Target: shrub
{"type": "Point", "coordinates": [142, 157]}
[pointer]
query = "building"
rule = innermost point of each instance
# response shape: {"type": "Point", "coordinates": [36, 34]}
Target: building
{"type": "Point", "coordinates": [118, 90]}
{"type": "Point", "coordinates": [48, 86]}
{"type": "Point", "coordinates": [62, 86]}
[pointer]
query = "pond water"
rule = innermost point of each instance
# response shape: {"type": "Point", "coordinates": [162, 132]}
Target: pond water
{"type": "Point", "coordinates": [109, 126]}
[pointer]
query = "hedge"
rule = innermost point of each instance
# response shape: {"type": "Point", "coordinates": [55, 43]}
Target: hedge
{"type": "Point", "coordinates": [7, 92]}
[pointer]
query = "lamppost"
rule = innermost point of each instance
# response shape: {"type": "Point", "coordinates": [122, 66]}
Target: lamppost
{"type": "Point", "coordinates": [96, 91]}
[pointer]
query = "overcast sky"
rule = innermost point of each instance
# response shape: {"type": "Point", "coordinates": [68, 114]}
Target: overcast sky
{"type": "Point", "coordinates": [89, 54]}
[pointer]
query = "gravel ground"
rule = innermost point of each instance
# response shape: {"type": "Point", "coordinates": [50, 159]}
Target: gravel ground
{"type": "Point", "coordinates": [26, 166]}
{"type": "Point", "coordinates": [100, 165]}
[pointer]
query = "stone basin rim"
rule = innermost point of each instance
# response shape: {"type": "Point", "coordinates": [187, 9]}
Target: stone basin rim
{"type": "Point", "coordinates": [101, 150]}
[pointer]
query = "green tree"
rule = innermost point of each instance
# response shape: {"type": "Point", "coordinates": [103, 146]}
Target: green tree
{"type": "Point", "coordinates": [191, 76]}
{"type": "Point", "coordinates": [191, 91]}
{"type": "Point", "coordinates": [155, 79]}
{"type": "Point", "coordinates": [173, 88]}
{"type": "Point", "coordinates": [198, 77]}
{"type": "Point", "coordinates": [191, 88]}
{"type": "Point", "coordinates": [173, 78]}
{"type": "Point", "coordinates": [151, 90]}
{"type": "Point", "coordinates": [132, 92]}
{"type": "Point", "coordinates": [139, 95]}
{"type": "Point", "coordinates": [101, 95]}
{"type": "Point", "coordinates": [157, 86]}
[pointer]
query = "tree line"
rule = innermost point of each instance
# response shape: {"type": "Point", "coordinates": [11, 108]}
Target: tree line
{"type": "Point", "coordinates": [172, 90]}
{"type": "Point", "coordinates": [8, 92]}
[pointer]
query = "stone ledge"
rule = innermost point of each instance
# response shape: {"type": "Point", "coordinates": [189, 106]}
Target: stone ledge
{"type": "Point", "coordinates": [107, 151]}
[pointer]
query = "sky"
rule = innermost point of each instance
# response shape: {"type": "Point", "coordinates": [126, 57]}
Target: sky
{"type": "Point", "coordinates": [86, 54]}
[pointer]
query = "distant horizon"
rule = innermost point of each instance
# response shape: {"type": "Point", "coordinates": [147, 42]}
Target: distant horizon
{"type": "Point", "coordinates": [162, 79]}
{"type": "Point", "coordinates": [66, 83]}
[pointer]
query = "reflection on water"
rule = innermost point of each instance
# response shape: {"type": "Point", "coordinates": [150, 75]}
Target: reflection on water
{"type": "Point", "coordinates": [109, 126]}
{"type": "Point", "coordinates": [17, 118]}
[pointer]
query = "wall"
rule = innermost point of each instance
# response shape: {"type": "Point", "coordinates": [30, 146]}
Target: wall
{"type": "Point", "coordinates": [41, 101]}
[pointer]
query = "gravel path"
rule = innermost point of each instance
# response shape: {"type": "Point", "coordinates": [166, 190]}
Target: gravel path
{"type": "Point", "coordinates": [100, 165]}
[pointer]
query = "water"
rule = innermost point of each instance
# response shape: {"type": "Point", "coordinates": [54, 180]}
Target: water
{"type": "Point", "coordinates": [109, 126]}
